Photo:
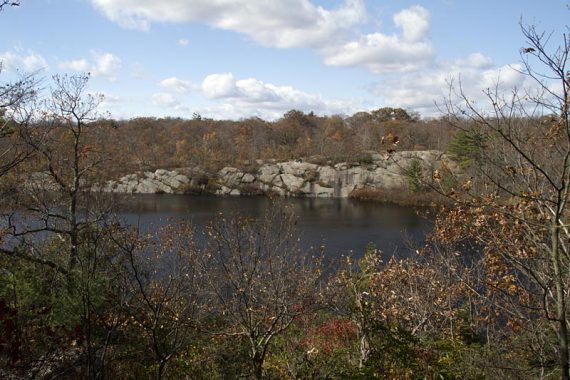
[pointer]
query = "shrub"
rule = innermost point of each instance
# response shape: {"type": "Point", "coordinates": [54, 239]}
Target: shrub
{"type": "Point", "coordinates": [414, 175]}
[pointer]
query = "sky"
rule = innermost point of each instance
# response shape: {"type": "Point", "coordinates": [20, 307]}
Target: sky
{"type": "Point", "coordinates": [234, 59]}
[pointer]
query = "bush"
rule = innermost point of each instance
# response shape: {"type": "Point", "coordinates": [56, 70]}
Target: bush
{"type": "Point", "coordinates": [364, 159]}
{"type": "Point", "coordinates": [466, 147]}
{"type": "Point", "coordinates": [414, 175]}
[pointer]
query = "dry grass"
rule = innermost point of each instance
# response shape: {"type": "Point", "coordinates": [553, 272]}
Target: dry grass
{"type": "Point", "coordinates": [401, 196]}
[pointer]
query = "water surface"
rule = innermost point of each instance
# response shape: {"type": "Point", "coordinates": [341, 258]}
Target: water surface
{"type": "Point", "coordinates": [343, 225]}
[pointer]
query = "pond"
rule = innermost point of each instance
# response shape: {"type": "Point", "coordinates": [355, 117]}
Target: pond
{"type": "Point", "coordinates": [343, 225]}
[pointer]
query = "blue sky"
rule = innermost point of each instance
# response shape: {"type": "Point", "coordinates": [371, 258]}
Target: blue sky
{"type": "Point", "coordinates": [241, 58]}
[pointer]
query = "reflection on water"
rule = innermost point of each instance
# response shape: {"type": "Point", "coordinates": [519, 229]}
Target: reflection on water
{"type": "Point", "coordinates": [342, 224]}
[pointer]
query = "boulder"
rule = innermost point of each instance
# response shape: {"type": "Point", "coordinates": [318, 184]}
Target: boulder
{"type": "Point", "coordinates": [230, 177]}
{"type": "Point", "coordinates": [292, 182]}
{"type": "Point", "coordinates": [341, 166]}
{"type": "Point", "coordinates": [173, 179]}
{"type": "Point", "coordinates": [277, 190]}
{"type": "Point", "coordinates": [146, 186]}
{"type": "Point", "coordinates": [267, 173]}
{"type": "Point", "coordinates": [129, 178]}
{"type": "Point", "coordinates": [247, 178]}
{"type": "Point", "coordinates": [224, 190]}
{"type": "Point", "coordinates": [297, 168]}
{"type": "Point", "coordinates": [346, 190]}
{"type": "Point", "coordinates": [131, 186]}
{"type": "Point", "coordinates": [109, 186]}
{"type": "Point", "coordinates": [321, 191]}
{"type": "Point", "coordinates": [161, 172]}
{"type": "Point", "coordinates": [121, 188]}
{"type": "Point", "coordinates": [152, 186]}
{"type": "Point", "coordinates": [42, 181]}
{"type": "Point", "coordinates": [327, 175]}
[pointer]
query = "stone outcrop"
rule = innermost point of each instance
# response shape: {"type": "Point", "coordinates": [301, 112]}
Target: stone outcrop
{"type": "Point", "coordinates": [290, 178]}
{"type": "Point", "coordinates": [160, 181]}
{"type": "Point", "coordinates": [297, 178]}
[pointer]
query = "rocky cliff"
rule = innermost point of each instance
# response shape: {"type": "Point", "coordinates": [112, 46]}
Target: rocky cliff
{"type": "Point", "coordinates": [290, 178]}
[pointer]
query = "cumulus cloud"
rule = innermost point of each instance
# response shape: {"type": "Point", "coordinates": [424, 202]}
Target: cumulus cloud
{"type": "Point", "coordinates": [217, 86]}
{"type": "Point", "coordinates": [414, 22]}
{"type": "Point", "coordinates": [381, 53]}
{"type": "Point", "coordinates": [101, 64]}
{"type": "Point", "coordinates": [284, 24]}
{"type": "Point", "coordinates": [424, 89]}
{"type": "Point", "coordinates": [331, 32]}
{"type": "Point", "coordinates": [174, 84]}
{"type": "Point", "coordinates": [253, 97]}
{"type": "Point", "coordinates": [474, 60]}
{"type": "Point", "coordinates": [106, 65]}
{"type": "Point", "coordinates": [28, 62]}
{"type": "Point", "coordinates": [183, 42]}
{"type": "Point", "coordinates": [75, 65]}
{"type": "Point", "coordinates": [164, 99]}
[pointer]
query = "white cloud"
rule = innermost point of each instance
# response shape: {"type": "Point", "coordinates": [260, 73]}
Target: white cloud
{"type": "Point", "coordinates": [284, 24]}
{"type": "Point", "coordinates": [414, 22]}
{"type": "Point", "coordinates": [175, 84]}
{"type": "Point", "coordinates": [101, 65]}
{"type": "Point", "coordinates": [183, 42]}
{"type": "Point", "coordinates": [75, 65]}
{"type": "Point", "coordinates": [217, 86]}
{"type": "Point", "coordinates": [164, 99]}
{"type": "Point", "coordinates": [334, 33]}
{"type": "Point", "coordinates": [506, 77]}
{"type": "Point", "coordinates": [381, 53]}
{"type": "Point", "coordinates": [475, 60]}
{"type": "Point", "coordinates": [253, 97]}
{"type": "Point", "coordinates": [421, 91]}
{"type": "Point", "coordinates": [106, 65]}
{"type": "Point", "coordinates": [28, 62]}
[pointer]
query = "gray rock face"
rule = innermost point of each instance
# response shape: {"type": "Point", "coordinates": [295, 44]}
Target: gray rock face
{"type": "Point", "coordinates": [320, 191]}
{"type": "Point", "coordinates": [248, 178]}
{"type": "Point", "coordinates": [296, 168]}
{"type": "Point", "coordinates": [267, 173]}
{"type": "Point", "coordinates": [42, 181]}
{"type": "Point", "coordinates": [292, 182]}
{"type": "Point", "coordinates": [161, 181]}
{"type": "Point", "coordinates": [295, 178]}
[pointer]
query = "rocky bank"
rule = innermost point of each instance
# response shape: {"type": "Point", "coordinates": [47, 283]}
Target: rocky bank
{"type": "Point", "coordinates": [289, 178]}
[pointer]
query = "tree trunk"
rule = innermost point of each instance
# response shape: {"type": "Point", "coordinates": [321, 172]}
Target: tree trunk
{"type": "Point", "coordinates": [364, 350]}
{"type": "Point", "coordinates": [562, 327]}
{"type": "Point", "coordinates": [257, 362]}
{"type": "Point", "coordinates": [160, 369]}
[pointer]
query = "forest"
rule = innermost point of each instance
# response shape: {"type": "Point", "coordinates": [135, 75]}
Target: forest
{"type": "Point", "coordinates": [84, 296]}
{"type": "Point", "coordinates": [143, 144]}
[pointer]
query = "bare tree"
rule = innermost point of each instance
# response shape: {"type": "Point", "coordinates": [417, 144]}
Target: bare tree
{"type": "Point", "coordinates": [259, 279]}
{"type": "Point", "coordinates": [8, 3]}
{"type": "Point", "coordinates": [519, 213]}
{"type": "Point", "coordinates": [164, 282]}
{"type": "Point", "coordinates": [14, 96]}
{"type": "Point", "coordinates": [52, 198]}
{"type": "Point", "coordinates": [55, 221]}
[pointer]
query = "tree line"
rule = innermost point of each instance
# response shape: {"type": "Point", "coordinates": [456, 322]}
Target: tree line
{"type": "Point", "coordinates": [148, 143]}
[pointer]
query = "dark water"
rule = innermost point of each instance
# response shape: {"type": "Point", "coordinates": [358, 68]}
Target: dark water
{"type": "Point", "coordinates": [343, 225]}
